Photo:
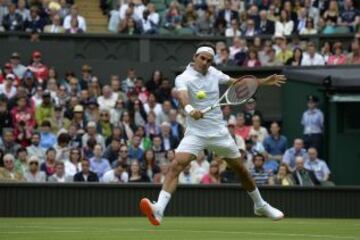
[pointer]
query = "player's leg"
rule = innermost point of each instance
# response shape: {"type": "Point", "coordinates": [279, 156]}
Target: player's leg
{"type": "Point", "coordinates": [225, 146]}
{"type": "Point", "coordinates": [185, 153]}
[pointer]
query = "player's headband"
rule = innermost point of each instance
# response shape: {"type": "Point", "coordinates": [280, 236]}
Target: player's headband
{"type": "Point", "coordinates": [205, 49]}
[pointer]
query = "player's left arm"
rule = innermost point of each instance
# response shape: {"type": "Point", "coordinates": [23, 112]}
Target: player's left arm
{"type": "Point", "coordinates": [274, 79]}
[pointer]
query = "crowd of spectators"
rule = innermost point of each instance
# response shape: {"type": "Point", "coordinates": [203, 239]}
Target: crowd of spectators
{"type": "Point", "coordinates": [232, 17]}
{"type": "Point", "coordinates": [37, 16]}
{"type": "Point", "coordinates": [75, 128]}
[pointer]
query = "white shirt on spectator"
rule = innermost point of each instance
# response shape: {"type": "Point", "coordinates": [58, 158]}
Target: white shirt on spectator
{"type": "Point", "coordinates": [199, 170]}
{"type": "Point", "coordinates": [109, 177]}
{"type": "Point", "coordinates": [114, 21]}
{"type": "Point", "coordinates": [81, 21]}
{"type": "Point", "coordinates": [107, 103]}
{"type": "Point", "coordinates": [19, 70]}
{"type": "Point", "coordinates": [319, 167]}
{"type": "Point", "coordinates": [155, 18]}
{"type": "Point", "coordinates": [262, 133]}
{"type": "Point", "coordinates": [138, 11]}
{"type": "Point", "coordinates": [307, 60]}
{"type": "Point", "coordinates": [157, 109]}
{"type": "Point", "coordinates": [229, 32]}
{"type": "Point", "coordinates": [284, 28]}
{"type": "Point", "coordinates": [72, 169]}
{"type": "Point", "coordinates": [25, 13]}
{"type": "Point", "coordinates": [9, 94]}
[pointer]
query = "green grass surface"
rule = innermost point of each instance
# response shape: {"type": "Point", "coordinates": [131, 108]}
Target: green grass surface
{"type": "Point", "coordinates": [177, 229]}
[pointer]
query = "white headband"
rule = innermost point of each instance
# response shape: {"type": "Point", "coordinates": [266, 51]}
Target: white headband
{"type": "Point", "coordinates": [205, 49]}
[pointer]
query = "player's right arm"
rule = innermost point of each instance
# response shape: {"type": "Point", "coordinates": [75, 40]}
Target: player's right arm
{"type": "Point", "coordinates": [183, 95]}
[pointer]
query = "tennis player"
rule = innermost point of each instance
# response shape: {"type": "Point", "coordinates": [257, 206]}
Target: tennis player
{"type": "Point", "coordinates": [206, 131]}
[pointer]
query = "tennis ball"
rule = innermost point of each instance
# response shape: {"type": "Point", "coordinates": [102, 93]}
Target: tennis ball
{"type": "Point", "coordinates": [201, 94]}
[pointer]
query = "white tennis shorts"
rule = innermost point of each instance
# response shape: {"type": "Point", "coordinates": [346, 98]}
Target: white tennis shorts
{"type": "Point", "coordinates": [223, 145]}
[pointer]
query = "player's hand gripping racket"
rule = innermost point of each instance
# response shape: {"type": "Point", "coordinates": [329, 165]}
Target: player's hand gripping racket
{"type": "Point", "coordinates": [238, 93]}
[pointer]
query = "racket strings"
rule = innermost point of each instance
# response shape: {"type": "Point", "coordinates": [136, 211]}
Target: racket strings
{"type": "Point", "coordinates": [241, 91]}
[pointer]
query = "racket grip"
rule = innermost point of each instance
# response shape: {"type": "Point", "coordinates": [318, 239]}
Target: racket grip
{"type": "Point", "coordinates": [205, 110]}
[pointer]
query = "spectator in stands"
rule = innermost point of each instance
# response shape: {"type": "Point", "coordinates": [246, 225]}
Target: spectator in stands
{"type": "Point", "coordinates": [296, 151]}
{"type": "Point", "coordinates": [313, 123]}
{"type": "Point", "coordinates": [73, 163]}
{"type": "Point", "coordinates": [116, 175]}
{"type": "Point", "coordinates": [190, 16]}
{"type": "Point", "coordinates": [13, 21]}
{"type": "Point", "coordinates": [169, 156]}
{"type": "Point", "coordinates": [252, 59]}
{"type": "Point", "coordinates": [127, 125]}
{"type": "Point", "coordinates": [85, 175]}
{"type": "Point", "coordinates": [5, 116]}
{"type": "Point", "coordinates": [160, 176]}
{"type": "Point", "coordinates": [148, 26]}
{"type": "Point", "coordinates": [284, 25]}
{"type": "Point", "coordinates": [78, 116]}
{"type": "Point", "coordinates": [311, 57]}
{"type": "Point", "coordinates": [91, 133]}
{"type": "Point", "coordinates": [151, 128]}
{"type": "Point", "coordinates": [227, 14]}
{"type": "Point", "coordinates": [275, 145]}
{"type": "Point", "coordinates": [59, 121]}
{"type": "Point", "coordinates": [349, 16]}
{"type": "Point", "coordinates": [60, 175]}
{"type": "Point", "coordinates": [35, 23]}
{"type": "Point", "coordinates": [128, 84]}
{"type": "Point", "coordinates": [98, 163]}
{"type": "Point", "coordinates": [301, 20]}
{"type": "Point", "coordinates": [8, 143]}
{"type": "Point", "coordinates": [168, 141]}
{"type": "Point", "coordinates": [185, 176]}
{"type": "Point", "coordinates": [224, 58]}
{"type": "Point", "coordinates": [111, 153]}
{"type": "Point", "coordinates": [354, 56]}
{"type": "Point", "coordinates": [38, 67]}
{"type": "Point", "coordinates": [21, 160]}
{"type": "Point", "coordinates": [199, 167]}
{"type": "Point", "coordinates": [135, 152]}
{"type": "Point", "coordinates": [238, 139]}
{"type": "Point", "coordinates": [8, 173]}
{"type": "Point", "coordinates": [136, 175]}
{"type": "Point", "coordinates": [227, 115]}
{"type": "Point", "coordinates": [49, 165]}
{"type": "Point", "coordinates": [74, 14]}
{"type": "Point", "coordinates": [318, 166]}
{"type": "Point", "coordinates": [296, 58]}
{"type": "Point", "coordinates": [155, 81]}
{"type": "Point", "coordinates": [153, 15]}
{"type": "Point", "coordinates": [240, 128]}
{"type": "Point", "coordinates": [205, 23]}
{"type": "Point", "coordinates": [234, 30]}
{"type": "Point", "coordinates": [250, 110]}
{"type": "Point", "coordinates": [150, 164]}
{"type": "Point", "coordinates": [74, 26]}
{"type": "Point", "coordinates": [331, 15]}
{"type": "Point", "coordinates": [267, 57]}
{"type": "Point", "coordinates": [326, 51]}
{"type": "Point", "coordinates": [284, 53]}
{"type": "Point", "coordinates": [250, 29]}
{"type": "Point", "coordinates": [104, 126]}
{"type": "Point", "coordinates": [302, 176]}
{"type": "Point", "coordinates": [163, 92]}
{"type": "Point", "coordinates": [46, 110]}
{"type": "Point", "coordinates": [259, 174]}
{"type": "Point", "coordinates": [309, 27]}
{"type": "Point", "coordinates": [23, 115]}
{"type": "Point", "coordinates": [129, 27]}
{"type": "Point", "coordinates": [213, 176]}
{"type": "Point", "coordinates": [176, 128]}
{"type": "Point", "coordinates": [7, 88]}
{"type": "Point", "coordinates": [256, 128]}
{"type": "Point", "coordinates": [55, 26]}
{"type": "Point", "coordinates": [284, 176]}
{"type": "Point", "coordinates": [17, 67]}
{"type": "Point", "coordinates": [265, 25]}
{"type": "Point", "coordinates": [338, 57]}
{"type": "Point", "coordinates": [33, 174]}
{"type": "Point", "coordinates": [23, 10]}
{"type": "Point", "coordinates": [35, 149]}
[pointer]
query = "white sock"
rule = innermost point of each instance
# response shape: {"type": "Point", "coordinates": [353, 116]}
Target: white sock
{"type": "Point", "coordinates": [256, 197]}
{"type": "Point", "coordinates": [163, 200]}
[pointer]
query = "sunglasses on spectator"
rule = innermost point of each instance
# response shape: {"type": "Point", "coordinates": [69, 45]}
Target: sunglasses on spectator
{"type": "Point", "coordinates": [36, 163]}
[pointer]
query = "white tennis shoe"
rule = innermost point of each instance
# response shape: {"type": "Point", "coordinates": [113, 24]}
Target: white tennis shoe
{"type": "Point", "coordinates": [151, 211]}
{"type": "Point", "coordinates": [268, 211]}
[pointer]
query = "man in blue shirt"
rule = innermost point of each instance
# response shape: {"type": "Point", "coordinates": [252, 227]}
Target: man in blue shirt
{"type": "Point", "coordinates": [47, 138]}
{"type": "Point", "coordinates": [98, 164]}
{"type": "Point", "coordinates": [135, 152]}
{"type": "Point", "coordinates": [275, 145]}
{"type": "Point", "coordinates": [313, 122]}
{"type": "Point", "coordinates": [296, 151]}
{"type": "Point", "coordinates": [319, 167]}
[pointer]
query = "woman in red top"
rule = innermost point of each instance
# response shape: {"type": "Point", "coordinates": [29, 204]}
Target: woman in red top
{"type": "Point", "coordinates": [40, 70]}
{"type": "Point", "coordinates": [213, 177]}
{"type": "Point", "coordinates": [23, 121]}
{"type": "Point", "coordinates": [7, 70]}
{"type": "Point", "coordinates": [49, 165]}
{"type": "Point", "coordinates": [241, 129]}
{"type": "Point", "coordinates": [252, 59]}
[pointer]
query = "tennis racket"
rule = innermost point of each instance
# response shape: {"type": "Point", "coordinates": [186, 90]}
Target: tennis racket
{"type": "Point", "coordinates": [238, 93]}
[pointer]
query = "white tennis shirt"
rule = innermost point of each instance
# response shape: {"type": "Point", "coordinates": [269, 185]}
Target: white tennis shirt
{"type": "Point", "coordinates": [192, 81]}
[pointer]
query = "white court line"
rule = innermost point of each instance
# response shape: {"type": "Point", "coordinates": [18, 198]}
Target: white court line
{"type": "Point", "coordinates": [193, 231]}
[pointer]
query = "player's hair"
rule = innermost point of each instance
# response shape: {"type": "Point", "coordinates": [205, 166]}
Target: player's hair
{"type": "Point", "coordinates": [206, 44]}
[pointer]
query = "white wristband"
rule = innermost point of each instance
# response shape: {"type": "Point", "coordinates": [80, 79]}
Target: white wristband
{"type": "Point", "coordinates": [188, 109]}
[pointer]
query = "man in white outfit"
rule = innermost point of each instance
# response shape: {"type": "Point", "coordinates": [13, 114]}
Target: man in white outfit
{"type": "Point", "coordinates": [206, 131]}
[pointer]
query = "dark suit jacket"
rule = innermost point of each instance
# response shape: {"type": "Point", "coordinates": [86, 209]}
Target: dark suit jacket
{"type": "Point", "coordinates": [173, 142]}
{"type": "Point", "coordinates": [221, 15]}
{"type": "Point", "coordinates": [8, 25]}
{"type": "Point", "coordinates": [91, 178]}
{"type": "Point", "coordinates": [268, 28]}
{"type": "Point", "coordinates": [311, 175]}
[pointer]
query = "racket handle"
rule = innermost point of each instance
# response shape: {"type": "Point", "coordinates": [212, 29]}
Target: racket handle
{"type": "Point", "coordinates": [205, 110]}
